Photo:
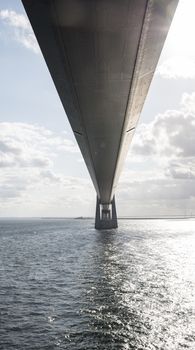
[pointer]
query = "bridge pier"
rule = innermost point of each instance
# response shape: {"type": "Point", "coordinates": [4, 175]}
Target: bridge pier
{"type": "Point", "coordinates": [106, 217]}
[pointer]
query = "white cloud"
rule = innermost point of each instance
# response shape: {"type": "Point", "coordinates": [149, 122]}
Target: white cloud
{"type": "Point", "coordinates": [163, 154]}
{"type": "Point", "coordinates": [45, 193]}
{"type": "Point", "coordinates": [170, 135]}
{"type": "Point", "coordinates": [30, 182]}
{"type": "Point", "coordinates": [21, 29]}
{"type": "Point", "coordinates": [14, 19]}
{"type": "Point", "coordinates": [188, 103]}
{"type": "Point", "coordinates": [27, 145]}
{"type": "Point", "coordinates": [177, 67]}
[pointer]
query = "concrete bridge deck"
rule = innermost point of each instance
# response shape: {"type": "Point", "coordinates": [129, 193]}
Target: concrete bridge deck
{"type": "Point", "coordinates": [102, 55]}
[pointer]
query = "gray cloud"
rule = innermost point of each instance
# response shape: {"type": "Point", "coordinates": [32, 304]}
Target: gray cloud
{"type": "Point", "coordinates": [51, 176]}
{"type": "Point", "coordinates": [181, 169]}
{"type": "Point", "coordinates": [158, 189]}
{"type": "Point", "coordinates": [7, 148]}
{"type": "Point", "coordinates": [10, 192]}
{"type": "Point", "coordinates": [11, 187]}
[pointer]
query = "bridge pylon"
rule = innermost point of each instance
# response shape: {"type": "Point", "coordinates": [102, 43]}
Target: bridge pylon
{"type": "Point", "coordinates": [106, 217]}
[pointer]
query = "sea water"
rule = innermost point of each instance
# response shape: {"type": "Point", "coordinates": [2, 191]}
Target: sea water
{"type": "Point", "coordinates": [64, 285]}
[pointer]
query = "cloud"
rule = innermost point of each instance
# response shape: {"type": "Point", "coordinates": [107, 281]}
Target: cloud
{"type": "Point", "coordinates": [177, 67]}
{"type": "Point", "coordinates": [27, 145]}
{"type": "Point", "coordinates": [10, 191]}
{"type": "Point", "coordinates": [175, 171]}
{"type": "Point", "coordinates": [170, 135]}
{"type": "Point", "coordinates": [29, 151]}
{"type": "Point", "coordinates": [45, 193]}
{"type": "Point", "coordinates": [160, 169]}
{"type": "Point", "coordinates": [22, 145]}
{"type": "Point", "coordinates": [49, 175]}
{"type": "Point", "coordinates": [21, 29]}
{"type": "Point", "coordinates": [158, 189]}
{"type": "Point", "coordinates": [188, 103]}
{"type": "Point", "coordinates": [32, 179]}
{"type": "Point", "coordinates": [156, 197]}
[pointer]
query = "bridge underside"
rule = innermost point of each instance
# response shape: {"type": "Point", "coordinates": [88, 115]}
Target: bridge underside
{"type": "Point", "coordinates": [102, 56]}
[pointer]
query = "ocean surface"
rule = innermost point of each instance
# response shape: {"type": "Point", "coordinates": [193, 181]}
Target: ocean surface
{"type": "Point", "coordinates": [64, 285]}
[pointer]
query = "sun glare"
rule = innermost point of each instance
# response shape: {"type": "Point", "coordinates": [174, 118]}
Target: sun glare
{"type": "Point", "coordinates": [180, 40]}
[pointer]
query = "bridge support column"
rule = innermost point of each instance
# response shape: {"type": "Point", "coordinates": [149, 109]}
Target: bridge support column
{"type": "Point", "coordinates": [106, 217]}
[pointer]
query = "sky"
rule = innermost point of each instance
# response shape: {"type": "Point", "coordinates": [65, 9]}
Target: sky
{"type": "Point", "coordinates": [42, 172]}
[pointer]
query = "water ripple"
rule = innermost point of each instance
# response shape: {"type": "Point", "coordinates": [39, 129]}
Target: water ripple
{"type": "Point", "coordinates": [64, 285]}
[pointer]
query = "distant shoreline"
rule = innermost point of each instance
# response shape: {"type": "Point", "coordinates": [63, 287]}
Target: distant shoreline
{"type": "Point", "coordinates": [167, 217]}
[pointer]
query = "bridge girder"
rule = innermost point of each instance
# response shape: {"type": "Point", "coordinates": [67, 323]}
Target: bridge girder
{"type": "Point", "coordinates": [102, 55]}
